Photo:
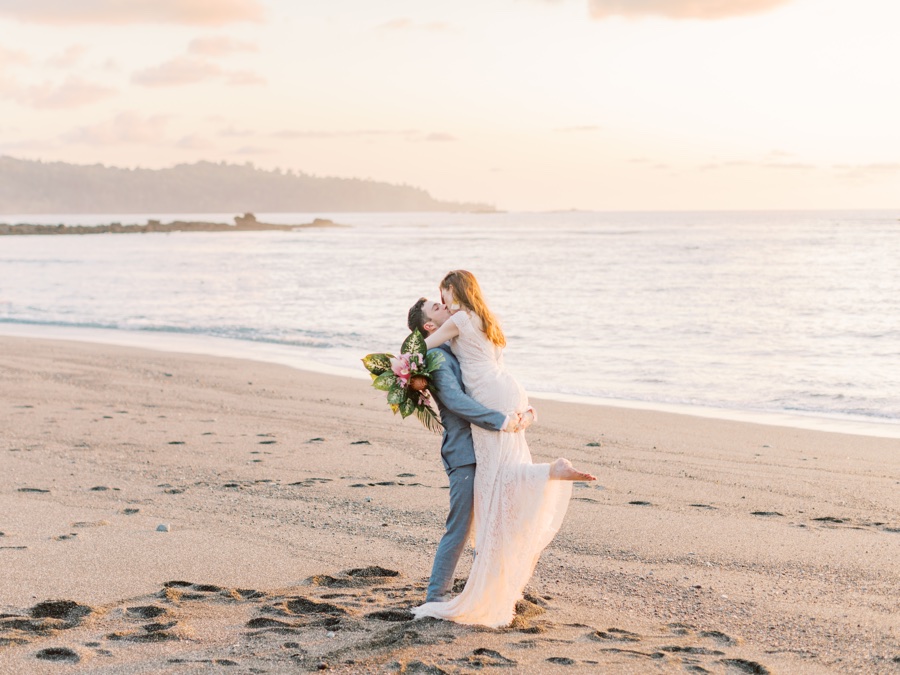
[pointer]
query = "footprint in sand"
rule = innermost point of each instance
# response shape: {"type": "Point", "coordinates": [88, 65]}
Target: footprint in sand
{"type": "Point", "coordinates": [767, 514]}
{"type": "Point", "coordinates": [562, 660]}
{"type": "Point", "coordinates": [615, 635]}
{"type": "Point", "coordinates": [483, 657]}
{"type": "Point", "coordinates": [58, 654]}
{"type": "Point", "coordinates": [719, 637]}
{"type": "Point", "coordinates": [744, 666]}
{"type": "Point", "coordinates": [310, 482]}
{"type": "Point", "coordinates": [392, 615]}
{"type": "Point", "coordinates": [145, 612]}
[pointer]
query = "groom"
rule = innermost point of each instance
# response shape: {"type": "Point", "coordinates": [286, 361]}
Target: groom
{"type": "Point", "coordinates": [458, 410]}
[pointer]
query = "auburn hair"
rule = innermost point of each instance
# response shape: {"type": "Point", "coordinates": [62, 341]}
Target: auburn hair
{"type": "Point", "coordinates": [467, 293]}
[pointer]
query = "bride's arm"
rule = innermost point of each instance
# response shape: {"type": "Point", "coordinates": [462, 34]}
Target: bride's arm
{"type": "Point", "coordinates": [446, 332]}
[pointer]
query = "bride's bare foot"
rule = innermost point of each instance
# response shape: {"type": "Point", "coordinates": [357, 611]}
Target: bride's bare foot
{"type": "Point", "coordinates": [562, 469]}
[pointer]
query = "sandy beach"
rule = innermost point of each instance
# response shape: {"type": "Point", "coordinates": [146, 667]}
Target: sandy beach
{"type": "Point", "coordinates": [179, 513]}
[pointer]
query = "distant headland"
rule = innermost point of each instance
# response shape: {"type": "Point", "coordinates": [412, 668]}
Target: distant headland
{"type": "Point", "coordinates": [244, 223]}
{"type": "Point", "coordinates": [35, 187]}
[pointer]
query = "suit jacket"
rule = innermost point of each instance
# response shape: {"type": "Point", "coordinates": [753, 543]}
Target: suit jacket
{"type": "Point", "coordinates": [459, 410]}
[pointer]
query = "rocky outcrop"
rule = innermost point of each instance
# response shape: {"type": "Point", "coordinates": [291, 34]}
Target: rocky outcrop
{"type": "Point", "coordinates": [244, 223]}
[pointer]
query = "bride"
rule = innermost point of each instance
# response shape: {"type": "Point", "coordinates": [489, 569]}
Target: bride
{"type": "Point", "coordinates": [519, 506]}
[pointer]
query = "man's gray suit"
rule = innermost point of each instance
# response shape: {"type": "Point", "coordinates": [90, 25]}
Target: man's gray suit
{"type": "Point", "coordinates": [458, 410]}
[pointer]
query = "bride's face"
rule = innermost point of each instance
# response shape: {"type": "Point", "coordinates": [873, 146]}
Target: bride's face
{"type": "Point", "coordinates": [447, 296]}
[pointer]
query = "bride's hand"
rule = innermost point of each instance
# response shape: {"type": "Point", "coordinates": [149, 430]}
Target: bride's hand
{"type": "Point", "coordinates": [526, 419]}
{"type": "Point", "coordinates": [515, 420]}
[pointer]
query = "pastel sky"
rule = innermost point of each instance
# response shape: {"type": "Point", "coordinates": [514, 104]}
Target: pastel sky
{"type": "Point", "coordinates": [524, 104]}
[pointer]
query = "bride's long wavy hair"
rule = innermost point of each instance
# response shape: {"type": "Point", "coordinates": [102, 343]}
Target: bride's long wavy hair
{"type": "Point", "coordinates": [467, 293]}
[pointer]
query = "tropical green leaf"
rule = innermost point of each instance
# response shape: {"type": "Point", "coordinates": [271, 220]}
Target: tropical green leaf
{"type": "Point", "coordinates": [429, 418]}
{"type": "Point", "coordinates": [377, 363]}
{"type": "Point", "coordinates": [407, 407]}
{"type": "Point", "coordinates": [414, 344]}
{"type": "Point", "coordinates": [434, 359]}
{"type": "Point", "coordinates": [396, 395]}
{"type": "Point", "coordinates": [385, 381]}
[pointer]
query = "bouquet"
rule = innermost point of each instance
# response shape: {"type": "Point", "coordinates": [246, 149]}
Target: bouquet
{"type": "Point", "coordinates": [407, 379]}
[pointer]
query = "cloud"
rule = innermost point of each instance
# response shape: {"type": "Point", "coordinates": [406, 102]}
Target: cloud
{"type": "Point", "coordinates": [873, 171]}
{"type": "Point", "coordinates": [72, 93]}
{"type": "Point", "coordinates": [289, 133]}
{"type": "Point", "coordinates": [252, 150]}
{"type": "Point", "coordinates": [219, 45]}
{"type": "Point", "coordinates": [744, 164]}
{"type": "Point", "coordinates": [440, 137]}
{"type": "Point", "coordinates": [243, 77]}
{"type": "Point", "coordinates": [580, 129]}
{"type": "Point", "coordinates": [649, 163]}
{"type": "Point", "coordinates": [126, 127]}
{"type": "Point", "coordinates": [410, 25]}
{"type": "Point", "coordinates": [231, 132]}
{"type": "Point", "coordinates": [68, 58]}
{"type": "Point", "coordinates": [191, 12]}
{"type": "Point", "coordinates": [10, 57]}
{"type": "Point", "coordinates": [193, 142]}
{"type": "Point", "coordinates": [179, 71]}
{"type": "Point", "coordinates": [192, 70]}
{"type": "Point", "coordinates": [681, 9]}
{"type": "Point", "coordinates": [33, 144]}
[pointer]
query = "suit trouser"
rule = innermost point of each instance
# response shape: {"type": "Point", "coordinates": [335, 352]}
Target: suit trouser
{"type": "Point", "coordinates": [453, 543]}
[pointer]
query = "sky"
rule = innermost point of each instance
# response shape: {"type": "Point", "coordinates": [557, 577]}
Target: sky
{"type": "Point", "coordinates": [522, 104]}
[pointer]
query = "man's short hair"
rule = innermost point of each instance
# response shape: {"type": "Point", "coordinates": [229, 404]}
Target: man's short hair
{"type": "Point", "coordinates": [417, 317]}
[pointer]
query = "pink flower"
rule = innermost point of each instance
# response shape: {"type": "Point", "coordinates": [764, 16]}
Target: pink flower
{"type": "Point", "coordinates": [400, 366]}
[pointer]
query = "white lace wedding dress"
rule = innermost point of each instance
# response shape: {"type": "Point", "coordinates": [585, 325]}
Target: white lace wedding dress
{"type": "Point", "coordinates": [518, 509]}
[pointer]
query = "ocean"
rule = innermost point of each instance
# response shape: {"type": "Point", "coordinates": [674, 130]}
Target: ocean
{"type": "Point", "coordinates": [781, 316]}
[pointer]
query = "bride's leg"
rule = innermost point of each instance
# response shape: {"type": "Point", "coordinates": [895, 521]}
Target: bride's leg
{"type": "Point", "coordinates": [562, 469]}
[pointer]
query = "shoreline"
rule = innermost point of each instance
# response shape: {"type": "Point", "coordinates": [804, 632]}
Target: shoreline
{"type": "Point", "coordinates": [290, 356]}
{"type": "Point", "coordinates": [301, 520]}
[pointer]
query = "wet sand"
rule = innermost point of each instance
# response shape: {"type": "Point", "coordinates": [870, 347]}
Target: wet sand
{"type": "Point", "coordinates": [302, 517]}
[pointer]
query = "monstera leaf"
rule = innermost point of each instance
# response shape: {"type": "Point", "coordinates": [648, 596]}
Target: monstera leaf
{"type": "Point", "coordinates": [385, 381]}
{"type": "Point", "coordinates": [414, 344]}
{"type": "Point", "coordinates": [377, 363]}
{"type": "Point", "coordinates": [433, 360]}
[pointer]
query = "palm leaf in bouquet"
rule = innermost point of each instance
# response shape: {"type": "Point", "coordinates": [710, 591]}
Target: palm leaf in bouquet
{"type": "Point", "coordinates": [429, 419]}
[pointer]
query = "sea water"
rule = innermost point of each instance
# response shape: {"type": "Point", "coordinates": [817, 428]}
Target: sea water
{"type": "Point", "coordinates": [761, 312]}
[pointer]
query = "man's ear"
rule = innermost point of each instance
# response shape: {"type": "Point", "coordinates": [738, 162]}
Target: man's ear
{"type": "Point", "coordinates": [429, 326]}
